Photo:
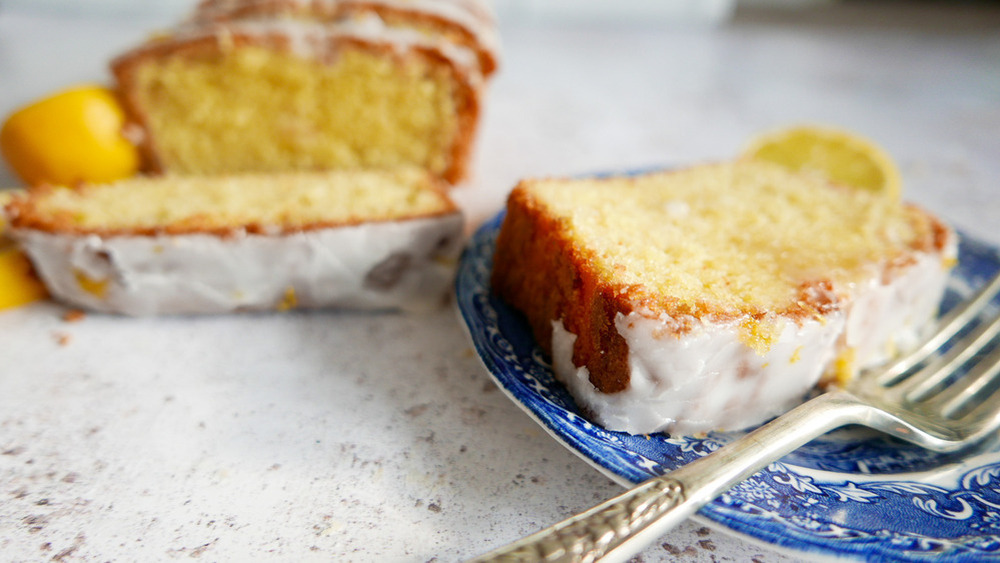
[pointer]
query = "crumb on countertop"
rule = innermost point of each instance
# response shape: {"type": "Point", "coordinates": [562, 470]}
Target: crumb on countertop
{"type": "Point", "coordinates": [74, 315]}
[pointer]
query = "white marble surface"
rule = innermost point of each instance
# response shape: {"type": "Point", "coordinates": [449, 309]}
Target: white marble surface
{"type": "Point", "coordinates": [378, 437]}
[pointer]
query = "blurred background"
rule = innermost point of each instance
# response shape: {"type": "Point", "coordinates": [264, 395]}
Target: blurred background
{"type": "Point", "coordinates": [637, 83]}
{"type": "Point", "coordinates": [712, 9]}
{"type": "Point", "coordinates": [645, 11]}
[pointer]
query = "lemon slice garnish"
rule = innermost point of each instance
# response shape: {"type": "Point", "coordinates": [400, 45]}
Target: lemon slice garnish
{"type": "Point", "coordinates": [839, 156]}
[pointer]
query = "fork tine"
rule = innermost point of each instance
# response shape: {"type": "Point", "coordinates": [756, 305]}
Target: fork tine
{"type": "Point", "coordinates": [949, 325]}
{"type": "Point", "coordinates": [960, 395]}
{"type": "Point", "coordinates": [921, 384]}
{"type": "Point", "coordinates": [982, 420]}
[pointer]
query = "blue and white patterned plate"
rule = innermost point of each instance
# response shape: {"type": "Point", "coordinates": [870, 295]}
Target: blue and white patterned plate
{"type": "Point", "coordinates": [852, 493]}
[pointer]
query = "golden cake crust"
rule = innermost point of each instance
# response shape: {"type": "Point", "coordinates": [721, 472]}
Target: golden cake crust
{"type": "Point", "coordinates": [542, 273]}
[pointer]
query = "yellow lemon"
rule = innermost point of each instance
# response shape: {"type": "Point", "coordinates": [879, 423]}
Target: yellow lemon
{"type": "Point", "coordinates": [837, 155]}
{"type": "Point", "coordinates": [71, 137]}
{"type": "Point", "coordinates": [18, 283]}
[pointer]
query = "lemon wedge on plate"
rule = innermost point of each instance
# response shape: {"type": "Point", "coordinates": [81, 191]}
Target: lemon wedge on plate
{"type": "Point", "coordinates": [839, 156]}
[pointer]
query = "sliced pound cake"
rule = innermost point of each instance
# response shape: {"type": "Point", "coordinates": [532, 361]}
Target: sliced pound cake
{"type": "Point", "coordinates": [176, 245]}
{"type": "Point", "coordinates": [715, 297]}
{"type": "Point", "coordinates": [249, 86]}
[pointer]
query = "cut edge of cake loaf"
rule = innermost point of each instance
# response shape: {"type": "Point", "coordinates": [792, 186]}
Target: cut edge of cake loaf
{"type": "Point", "coordinates": [188, 244]}
{"type": "Point", "coordinates": [469, 23]}
{"type": "Point", "coordinates": [273, 93]}
{"type": "Point", "coordinates": [715, 297]}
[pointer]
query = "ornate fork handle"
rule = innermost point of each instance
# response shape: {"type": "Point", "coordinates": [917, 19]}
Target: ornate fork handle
{"type": "Point", "coordinates": [905, 407]}
{"type": "Point", "coordinates": [594, 533]}
{"type": "Point", "coordinates": [620, 527]}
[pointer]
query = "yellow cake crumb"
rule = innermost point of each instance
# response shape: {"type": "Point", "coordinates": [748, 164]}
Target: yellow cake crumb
{"type": "Point", "coordinates": [290, 200]}
{"type": "Point", "coordinates": [663, 240]}
{"type": "Point", "coordinates": [288, 301]}
{"type": "Point", "coordinates": [257, 109]}
{"type": "Point", "coordinates": [96, 287]}
{"type": "Point", "coordinates": [796, 356]}
{"type": "Point", "coordinates": [759, 335]}
{"type": "Point", "coordinates": [844, 367]}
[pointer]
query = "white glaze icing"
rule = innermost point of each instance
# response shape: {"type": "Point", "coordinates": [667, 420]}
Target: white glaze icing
{"type": "Point", "coordinates": [887, 318]}
{"type": "Point", "coordinates": [312, 39]}
{"type": "Point", "coordinates": [474, 16]}
{"type": "Point", "coordinates": [468, 13]}
{"type": "Point", "coordinates": [405, 264]}
{"type": "Point", "coordinates": [708, 379]}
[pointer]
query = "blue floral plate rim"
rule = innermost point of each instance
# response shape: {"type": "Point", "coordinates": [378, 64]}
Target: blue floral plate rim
{"type": "Point", "coordinates": [852, 494]}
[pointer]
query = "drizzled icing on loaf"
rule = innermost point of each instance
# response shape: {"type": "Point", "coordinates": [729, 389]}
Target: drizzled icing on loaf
{"type": "Point", "coordinates": [469, 23]}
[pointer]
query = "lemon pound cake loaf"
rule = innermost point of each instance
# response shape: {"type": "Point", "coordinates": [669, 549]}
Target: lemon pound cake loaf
{"type": "Point", "coordinates": [274, 86]}
{"type": "Point", "coordinates": [178, 245]}
{"type": "Point", "coordinates": [715, 297]}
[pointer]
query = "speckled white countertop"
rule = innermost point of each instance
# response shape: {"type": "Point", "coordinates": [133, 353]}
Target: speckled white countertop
{"type": "Point", "coordinates": [378, 437]}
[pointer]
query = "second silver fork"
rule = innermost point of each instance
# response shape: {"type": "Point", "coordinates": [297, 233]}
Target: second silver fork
{"type": "Point", "coordinates": [918, 398]}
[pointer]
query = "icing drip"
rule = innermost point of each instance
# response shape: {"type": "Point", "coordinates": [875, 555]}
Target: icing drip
{"type": "Point", "coordinates": [709, 379]}
{"type": "Point", "coordinates": [395, 264]}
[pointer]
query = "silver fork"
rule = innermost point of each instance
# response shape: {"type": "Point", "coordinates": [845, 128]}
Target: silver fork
{"type": "Point", "coordinates": [913, 398]}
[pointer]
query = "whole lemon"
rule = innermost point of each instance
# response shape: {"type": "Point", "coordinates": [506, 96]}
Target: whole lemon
{"type": "Point", "coordinates": [70, 137]}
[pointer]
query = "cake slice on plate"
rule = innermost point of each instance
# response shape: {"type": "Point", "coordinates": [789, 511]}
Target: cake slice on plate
{"type": "Point", "coordinates": [715, 297]}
